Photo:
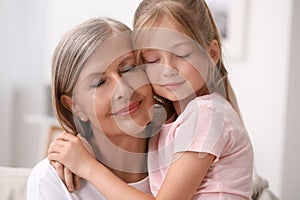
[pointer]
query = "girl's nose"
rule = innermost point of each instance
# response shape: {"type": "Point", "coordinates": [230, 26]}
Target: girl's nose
{"type": "Point", "coordinates": [169, 65]}
{"type": "Point", "coordinates": [168, 71]}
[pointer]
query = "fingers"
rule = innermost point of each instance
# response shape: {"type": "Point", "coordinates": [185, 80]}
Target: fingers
{"type": "Point", "coordinates": [54, 157]}
{"type": "Point", "coordinates": [59, 170]}
{"type": "Point", "coordinates": [76, 182]}
{"type": "Point", "coordinates": [69, 179]}
{"type": "Point", "coordinates": [66, 137]}
{"type": "Point", "coordinates": [56, 146]}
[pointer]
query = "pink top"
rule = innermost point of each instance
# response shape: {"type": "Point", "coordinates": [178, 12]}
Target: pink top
{"type": "Point", "coordinates": [209, 124]}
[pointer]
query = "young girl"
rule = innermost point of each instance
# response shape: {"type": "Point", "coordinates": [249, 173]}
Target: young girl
{"type": "Point", "coordinates": [204, 151]}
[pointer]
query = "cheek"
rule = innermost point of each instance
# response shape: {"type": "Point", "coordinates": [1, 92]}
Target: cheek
{"type": "Point", "coordinates": [154, 72]}
{"type": "Point", "coordinates": [146, 91]}
{"type": "Point", "coordinates": [101, 106]}
{"type": "Point", "coordinates": [200, 66]}
{"type": "Point", "coordinates": [156, 89]}
{"type": "Point", "coordinates": [148, 94]}
{"type": "Point", "coordinates": [136, 79]}
{"type": "Point", "coordinates": [195, 72]}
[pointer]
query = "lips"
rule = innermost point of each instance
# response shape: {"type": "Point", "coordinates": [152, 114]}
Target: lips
{"type": "Point", "coordinates": [173, 86]}
{"type": "Point", "coordinates": [131, 108]}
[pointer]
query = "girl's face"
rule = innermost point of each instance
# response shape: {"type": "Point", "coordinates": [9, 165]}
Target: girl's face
{"type": "Point", "coordinates": [175, 68]}
{"type": "Point", "coordinates": [115, 96]}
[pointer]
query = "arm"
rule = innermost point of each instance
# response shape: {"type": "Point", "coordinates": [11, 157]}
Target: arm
{"type": "Point", "coordinates": [184, 176]}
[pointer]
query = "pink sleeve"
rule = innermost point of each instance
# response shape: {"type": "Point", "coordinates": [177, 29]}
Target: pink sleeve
{"type": "Point", "coordinates": [201, 130]}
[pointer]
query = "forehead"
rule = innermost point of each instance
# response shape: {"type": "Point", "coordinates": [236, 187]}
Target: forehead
{"type": "Point", "coordinates": [163, 35]}
{"type": "Point", "coordinates": [112, 49]}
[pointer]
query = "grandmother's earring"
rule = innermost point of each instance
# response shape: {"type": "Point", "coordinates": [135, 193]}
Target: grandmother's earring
{"type": "Point", "coordinates": [83, 118]}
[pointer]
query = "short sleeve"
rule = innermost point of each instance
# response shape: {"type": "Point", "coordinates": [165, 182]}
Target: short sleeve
{"type": "Point", "coordinates": [201, 128]}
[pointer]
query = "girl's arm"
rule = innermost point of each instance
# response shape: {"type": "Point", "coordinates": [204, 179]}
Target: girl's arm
{"type": "Point", "coordinates": [184, 176]}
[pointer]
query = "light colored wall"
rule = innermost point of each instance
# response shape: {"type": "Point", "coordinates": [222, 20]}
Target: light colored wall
{"type": "Point", "coordinates": [291, 161]}
{"type": "Point", "coordinates": [21, 81]}
{"type": "Point", "coordinates": [64, 14]}
{"type": "Point", "coordinates": [6, 17]}
{"type": "Point", "coordinates": [261, 83]}
{"type": "Point", "coordinates": [261, 79]}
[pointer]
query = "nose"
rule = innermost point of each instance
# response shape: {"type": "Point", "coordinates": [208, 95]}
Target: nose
{"type": "Point", "coordinates": [122, 91]}
{"type": "Point", "coordinates": [169, 65]}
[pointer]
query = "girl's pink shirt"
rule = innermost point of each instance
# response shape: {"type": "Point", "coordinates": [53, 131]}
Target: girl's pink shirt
{"type": "Point", "coordinates": [209, 124]}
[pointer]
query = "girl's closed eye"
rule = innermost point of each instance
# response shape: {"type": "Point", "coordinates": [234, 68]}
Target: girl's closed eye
{"type": "Point", "coordinates": [127, 68]}
{"type": "Point", "coordinates": [150, 59]}
{"type": "Point", "coordinates": [184, 55]}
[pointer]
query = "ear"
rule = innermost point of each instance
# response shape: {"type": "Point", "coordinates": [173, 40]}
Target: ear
{"type": "Point", "coordinates": [66, 101]}
{"type": "Point", "coordinates": [214, 51]}
{"type": "Point", "coordinates": [70, 105]}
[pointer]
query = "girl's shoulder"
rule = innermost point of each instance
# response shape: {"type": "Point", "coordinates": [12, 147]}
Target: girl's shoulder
{"type": "Point", "coordinates": [213, 105]}
{"type": "Point", "coordinates": [214, 102]}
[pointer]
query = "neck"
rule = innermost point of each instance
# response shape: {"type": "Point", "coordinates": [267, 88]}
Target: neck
{"type": "Point", "coordinates": [124, 155]}
{"type": "Point", "coordinates": [180, 105]}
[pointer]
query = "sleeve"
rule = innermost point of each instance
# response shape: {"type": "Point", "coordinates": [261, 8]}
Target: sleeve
{"type": "Point", "coordinates": [201, 130]}
{"type": "Point", "coordinates": [44, 184]}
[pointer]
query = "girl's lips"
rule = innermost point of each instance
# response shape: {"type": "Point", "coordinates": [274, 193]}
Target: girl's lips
{"type": "Point", "coordinates": [133, 107]}
{"type": "Point", "coordinates": [173, 86]}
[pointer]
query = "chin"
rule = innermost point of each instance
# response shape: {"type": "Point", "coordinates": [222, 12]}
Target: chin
{"type": "Point", "coordinates": [141, 120]}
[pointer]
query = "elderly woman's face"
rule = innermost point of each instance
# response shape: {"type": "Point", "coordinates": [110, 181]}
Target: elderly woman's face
{"type": "Point", "coordinates": [112, 92]}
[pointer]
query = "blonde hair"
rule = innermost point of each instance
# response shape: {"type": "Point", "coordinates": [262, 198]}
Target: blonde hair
{"type": "Point", "coordinates": [195, 20]}
{"type": "Point", "coordinates": [70, 55]}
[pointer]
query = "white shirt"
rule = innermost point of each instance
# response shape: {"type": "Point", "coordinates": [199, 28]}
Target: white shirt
{"type": "Point", "coordinates": [45, 184]}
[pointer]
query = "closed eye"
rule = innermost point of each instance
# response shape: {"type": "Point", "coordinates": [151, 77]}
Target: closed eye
{"type": "Point", "coordinates": [184, 55]}
{"type": "Point", "coordinates": [98, 83]}
{"type": "Point", "coordinates": [151, 61]}
{"type": "Point", "coordinates": [127, 68]}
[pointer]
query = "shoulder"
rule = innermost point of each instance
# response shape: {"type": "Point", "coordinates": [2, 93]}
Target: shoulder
{"type": "Point", "coordinates": [43, 181]}
{"type": "Point", "coordinates": [212, 101]}
{"type": "Point", "coordinates": [40, 171]}
{"type": "Point", "coordinates": [206, 107]}
{"type": "Point", "coordinates": [212, 105]}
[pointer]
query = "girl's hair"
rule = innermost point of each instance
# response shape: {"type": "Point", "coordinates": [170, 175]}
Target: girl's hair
{"type": "Point", "coordinates": [70, 55]}
{"type": "Point", "coordinates": [195, 20]}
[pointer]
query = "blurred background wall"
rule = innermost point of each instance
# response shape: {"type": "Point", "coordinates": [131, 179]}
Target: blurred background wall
{"type": "Point", "coordinates": [265, 78]}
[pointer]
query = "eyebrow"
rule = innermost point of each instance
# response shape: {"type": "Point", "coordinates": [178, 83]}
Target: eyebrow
{"type": "Point", "coordinates": [121, 63]}
{"type": "Point", "coordinates": [95, 74]}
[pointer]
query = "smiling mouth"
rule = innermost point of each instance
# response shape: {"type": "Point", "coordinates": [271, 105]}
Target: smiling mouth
{"type": "Point", "coordinates": [131, 108]}
{"type": "Point", "coordinates": [173, 86]}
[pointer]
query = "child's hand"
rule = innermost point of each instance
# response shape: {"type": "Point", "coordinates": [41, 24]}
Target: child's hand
{"type": "Point", "coordinates": [71, 180]}
{"type": "Point", "coordinates": [70, 151]}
